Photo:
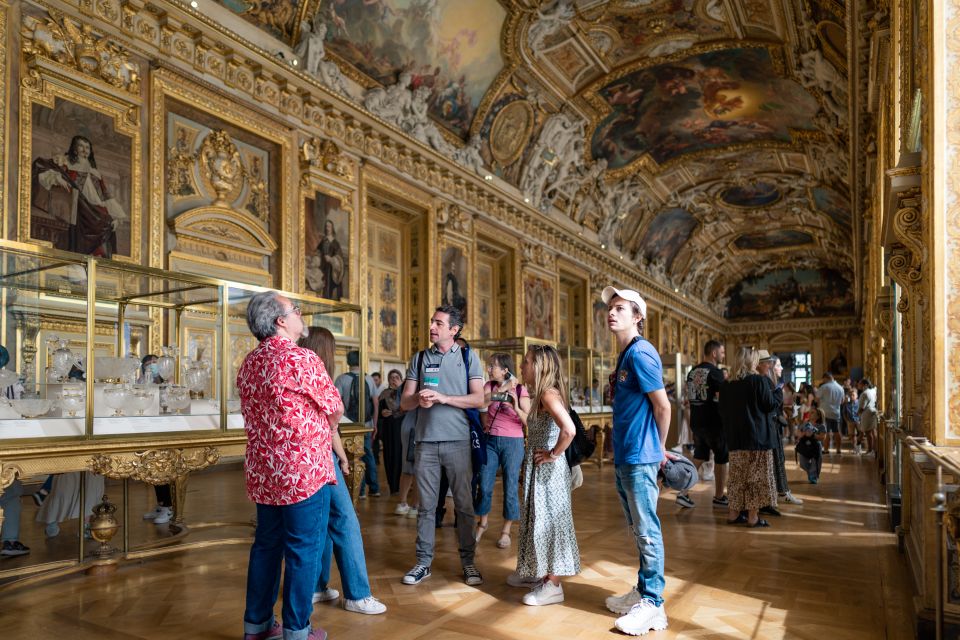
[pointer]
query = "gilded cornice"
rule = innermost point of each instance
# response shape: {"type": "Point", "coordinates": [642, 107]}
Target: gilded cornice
{"type": "Point", "coordinates": [802, 325]}
{"type": "Point", "coordinates": [5, 142]}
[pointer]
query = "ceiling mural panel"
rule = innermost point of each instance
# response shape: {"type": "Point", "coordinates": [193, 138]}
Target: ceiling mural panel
{"type": "Point", "coordinates": [777, 239]}
{"type": "Point", "coordinates": [648, 30]}
{"type": "Point", "coordinates": [452, 47]}
{"type": "Point", "coordinates": [279, 18]}
{"type": "Point", "coordinates": [666, 235]}
{"type": "Point", "coordinates": [828, 201]}
{"type": "Point", "coordinates": [708, 101]}
{"type": "Point", "coordinates": [788, 293]}
{"type": "Point", "coordinates": [752, 195]}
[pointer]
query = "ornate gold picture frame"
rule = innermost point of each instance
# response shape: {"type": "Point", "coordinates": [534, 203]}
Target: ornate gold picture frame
{"type": "Point", "coordinates": [455, 278]}
{"type": "Point", "coordinates": [227, 188]}
{"type": "Point", "coordinates": [80, 166]}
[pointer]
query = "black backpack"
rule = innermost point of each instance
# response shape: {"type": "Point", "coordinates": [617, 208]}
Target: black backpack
{"type": "Point", "coordinates": [352, 410]}
{"type": "Point", "coordinates": [581, 447]}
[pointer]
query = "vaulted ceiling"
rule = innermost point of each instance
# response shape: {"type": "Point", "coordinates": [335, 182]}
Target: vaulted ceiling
{"type": "Point", "coordinates": [706, 140]}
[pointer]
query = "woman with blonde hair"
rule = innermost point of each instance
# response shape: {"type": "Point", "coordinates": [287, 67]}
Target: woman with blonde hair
{"type": "Point", "coordinates": [746, 402]}
{"type": "Point", "coordinates": [547, 546]}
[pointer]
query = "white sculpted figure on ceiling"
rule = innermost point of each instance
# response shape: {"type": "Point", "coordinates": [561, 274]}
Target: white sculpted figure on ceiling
{"type": "Point", "coordinates": [554, 152]}
{"type": "Point", "coordinates": [548, 22]}
{"type": "Point", "coordinates": [312, 54]}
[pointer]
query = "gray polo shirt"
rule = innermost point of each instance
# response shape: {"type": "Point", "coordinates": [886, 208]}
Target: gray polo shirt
{"type": "Point", "coordinates": [830, 397]}
{"type": "Point", "coordinates": [443, 372]}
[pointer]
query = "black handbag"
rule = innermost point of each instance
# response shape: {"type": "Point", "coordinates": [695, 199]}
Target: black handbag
{"type": "Point", "coordinates": [581, 447]}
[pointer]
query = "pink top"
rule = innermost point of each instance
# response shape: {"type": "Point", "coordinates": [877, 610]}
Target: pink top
{"type": "Point", "coordinates": [501, 416]}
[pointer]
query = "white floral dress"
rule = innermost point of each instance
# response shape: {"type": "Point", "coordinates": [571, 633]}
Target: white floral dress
{"type": "Point", "coordinates": [548, 542]}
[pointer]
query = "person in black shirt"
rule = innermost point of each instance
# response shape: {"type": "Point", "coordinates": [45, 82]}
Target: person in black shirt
{"type": "Point", "coordinates": [703, 394]}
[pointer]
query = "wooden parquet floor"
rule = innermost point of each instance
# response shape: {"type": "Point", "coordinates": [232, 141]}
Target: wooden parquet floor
{"type": "Point", "coordinates": [828, 569]}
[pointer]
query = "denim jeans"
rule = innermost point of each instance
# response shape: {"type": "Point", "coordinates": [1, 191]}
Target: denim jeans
{"type": "Point", "coordinates": [370, 475]}
{"type": "Point", "coordinates": [344, 540]}
{"type": "Point", "coordinates": [507, 454]}
{"type": "Point", "coordinates": [638, 491]}
{"type": "Point", "coordinates": [10, 503]}
{"type": "Point", "coordinates": [294, 534]}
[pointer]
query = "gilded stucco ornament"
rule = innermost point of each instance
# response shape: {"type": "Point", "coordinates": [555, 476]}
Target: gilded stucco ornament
{"type": "Point", "coordinates": [157, 466]}
{"type": "Point", "coordinates": [452, 217]}
{"type": "Point", "coordinates": [78, 46]}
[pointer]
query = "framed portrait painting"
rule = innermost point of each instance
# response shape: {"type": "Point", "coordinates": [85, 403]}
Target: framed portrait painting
{"type": "Point", "coordinates": [538, 307]}
{"type": "Point", "coordinates": [454, 274]}
{"type": "Point", "coordinates": [327, 246]}
{"type": "Point", "coordinates": [80, 169]}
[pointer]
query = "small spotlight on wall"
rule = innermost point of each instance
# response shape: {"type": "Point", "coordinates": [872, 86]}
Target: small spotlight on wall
{"type": "Point", "coordinates": [527, 200]}
{"type": "Point", "coordinates": [194, 4]}
{"type": "Point", "coordinates": [488, 177]}
{"type": "Point", "coordinates": [295, 62]}
{"type": "Point", "coordinates": [603, 246]}
{"type": "Point", "coordinates": [676, 290]}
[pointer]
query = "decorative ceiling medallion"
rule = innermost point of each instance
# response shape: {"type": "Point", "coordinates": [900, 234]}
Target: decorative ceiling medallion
{"type": "Point", "coordinates": [707, 101]}
{"type": "Point", "coordinates": [834, 40]}
{"type": "Point", "coordinates": [751, 196]}
{"type": "Point", "coordinates": [776, 239]}
{"type": "Point", "coordinates": [510, 131]}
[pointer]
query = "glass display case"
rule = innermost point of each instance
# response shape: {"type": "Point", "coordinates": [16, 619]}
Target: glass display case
{"type": "Point", "coordinates": [514, 347]}
{"type": "Point", "coordinates": [104, 349]}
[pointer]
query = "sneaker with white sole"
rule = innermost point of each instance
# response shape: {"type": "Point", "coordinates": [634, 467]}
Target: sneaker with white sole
{"type": "Point", "coordinates": [418, 574]}
{"type": "Point", "coordinates": [402, 509]}
{"type": "Point", "coordinates": [471, 575]}
{"type": "Point", "coordinates": [164, 514]}
{"type": "Point", "coordinates": [684, 501]}
{"type": "Point", "coordinates": [516, 580]}
{"type": "Point", "coordinates": [623, 604]}
{"type": "Point", "coordinates": [150, 515]}
{"type": "Point", "coordinates": [326, 595]}
{"type": "Point", "coordinates": [791, 499]}
{"type": "Point", "coordinates": [643, 617]}
{"type": "Point", "coordinates": [369, 605]}
{"type": "Point", "coordinates": [544, 593]}
{"type": "Point", "coordinates": [412, 514]}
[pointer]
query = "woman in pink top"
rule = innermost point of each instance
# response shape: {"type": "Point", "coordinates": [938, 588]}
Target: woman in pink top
{"type": "Point", "coordinates": [508, 404]}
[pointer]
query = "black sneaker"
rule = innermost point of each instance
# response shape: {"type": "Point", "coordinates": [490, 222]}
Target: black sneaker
{"type": "Point", "coordinates": [471, 575]}
{"type": "Point", "coordinates": [722, 501]}
{"type": "Point", "coordinates": [770, 511]}
{"type": "Point", "coordinates": [684, 501]}
{"type": "Point", "coordinates": [14, 548]}
{"type": "Point", "coordinates": [418, 574]}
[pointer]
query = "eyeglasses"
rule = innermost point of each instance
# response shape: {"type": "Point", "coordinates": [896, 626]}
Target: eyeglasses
{"type": "Point", "coordinates": [294, 309]}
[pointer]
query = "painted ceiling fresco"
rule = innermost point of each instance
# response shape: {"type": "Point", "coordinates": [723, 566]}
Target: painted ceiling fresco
{"type": "Point", "coordinates": [708, 101]}
{"type": "Point", "coordinates": [451, 46]}
{"type": "Point", "coordinates": [777, 239]}
{"type": "Point", "coordinates": [719, 126]}
{"type": "Point", "coordinates": [787, 293]}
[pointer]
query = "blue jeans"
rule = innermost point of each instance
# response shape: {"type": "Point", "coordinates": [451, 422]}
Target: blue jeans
{"type": "Point", "coordinates": [370, 475]}
{"type": "Point", "coordinates": [507, 454]}
{"type": "Point", "coordinates": [10, 503]}
{"type": "Point", "coordinates": [638, 491]}
{"type": "Point", "coordinates": [294, 534]}
{"type": "Point", "coordinates": [344, 540]}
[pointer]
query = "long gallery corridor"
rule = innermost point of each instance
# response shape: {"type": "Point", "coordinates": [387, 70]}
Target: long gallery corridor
{"type": "Point", "coordinates": [826, 570]}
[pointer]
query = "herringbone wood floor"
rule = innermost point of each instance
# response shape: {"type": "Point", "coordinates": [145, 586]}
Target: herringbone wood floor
{"type": "Point", "coordinates": [828, 569]}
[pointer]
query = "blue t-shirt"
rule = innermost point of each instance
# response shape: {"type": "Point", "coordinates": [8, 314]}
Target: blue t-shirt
{"type": "Point", "coordinates": [635, 436]}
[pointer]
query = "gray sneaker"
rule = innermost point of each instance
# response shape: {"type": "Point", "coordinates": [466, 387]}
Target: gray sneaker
{"type": "Point", "coordinates": [471, 575]}
{"type": "Point", "coordinates": [418, 574]}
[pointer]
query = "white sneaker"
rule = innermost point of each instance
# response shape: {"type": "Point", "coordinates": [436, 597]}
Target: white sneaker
{"type": "Point", "coordinates": [623, 604]}
{"type": "Point", "coordinates": [412, 514]}
{"type": "Point", "coordinates": [163, 515]}
{"type": "Point", "coordinates": [325, 596]}
{"type": "Point", "coordinates": [792, 499]}
{"type": "Point", "coordinates": [643, 617]}
{"type": "Point", "coordinates": [516, 580]}
{"type": "Point", "coordinates": [707, 476]}
{"type": "Point", "coordinates": [150, 515]}
{"type": "Point", "coordinates": [544, 593]}
{"type": "Point", "coordinates": [369, 605]}
{"type": "Point", "coordinates": [402, 509]}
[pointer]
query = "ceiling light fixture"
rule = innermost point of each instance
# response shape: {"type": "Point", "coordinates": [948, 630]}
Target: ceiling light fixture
{"type": "Point", "coordinates": [194, 4]}
{"type": "Point", "coordinates": [603, 246]}
{"type": "Point", "coordinates": [294, 62]}
{"type": "Point", "coordinates": [488, 177]}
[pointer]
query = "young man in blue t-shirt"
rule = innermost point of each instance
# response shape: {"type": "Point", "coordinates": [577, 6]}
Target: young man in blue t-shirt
{"type": "Point", "coordinates": [641, 419]}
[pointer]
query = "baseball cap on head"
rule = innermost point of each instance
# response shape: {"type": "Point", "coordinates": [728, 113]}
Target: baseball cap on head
{"type": "Point", "coordinates": [609, 293]}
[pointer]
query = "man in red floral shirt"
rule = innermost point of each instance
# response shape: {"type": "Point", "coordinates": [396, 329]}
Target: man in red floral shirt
{"type": "Point", "coordinates": [289, 407]}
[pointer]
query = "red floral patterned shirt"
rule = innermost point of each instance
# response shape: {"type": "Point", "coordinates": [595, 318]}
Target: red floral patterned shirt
{"type": "Point", "coordinates": [285, 397]}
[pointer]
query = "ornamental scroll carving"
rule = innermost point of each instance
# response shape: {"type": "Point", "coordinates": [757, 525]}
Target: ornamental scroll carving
{"type": "Point", "coordinates": [908, 254]}
{"type": "Point", "coordinates": [76, 45]}
{"type": "Point", "coordinates": [452, 217]}
{"type": "Point", "coordinates": [323, 154]}
{"type": "Point", "coordinates": [162, 466]}
{"type": "Point", "coordinates": [538, 255]}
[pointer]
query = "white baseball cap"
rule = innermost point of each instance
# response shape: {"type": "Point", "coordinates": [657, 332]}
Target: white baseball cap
{"type": "Point", "coordinates": [609, 293]}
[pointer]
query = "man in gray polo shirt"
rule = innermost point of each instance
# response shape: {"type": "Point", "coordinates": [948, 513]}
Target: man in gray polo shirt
{"type": "Point", "coordinates": [438, 387]}
{"type": "Point", "coordinates": [830, 397]}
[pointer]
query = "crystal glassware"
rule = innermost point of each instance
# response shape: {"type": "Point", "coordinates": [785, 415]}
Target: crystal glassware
{"type": "Point", "coordinates": [73, 399]}
{"type": "Point", "coordinates": [115, 397]}
{"type": "Point", "coordinates": [140, 398]}
{"type": "Point", "coordinates": [178, 398]}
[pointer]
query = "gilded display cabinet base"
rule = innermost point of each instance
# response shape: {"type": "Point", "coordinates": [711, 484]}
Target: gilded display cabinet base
{"type": "Point", "coordinates": [352, 438]}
